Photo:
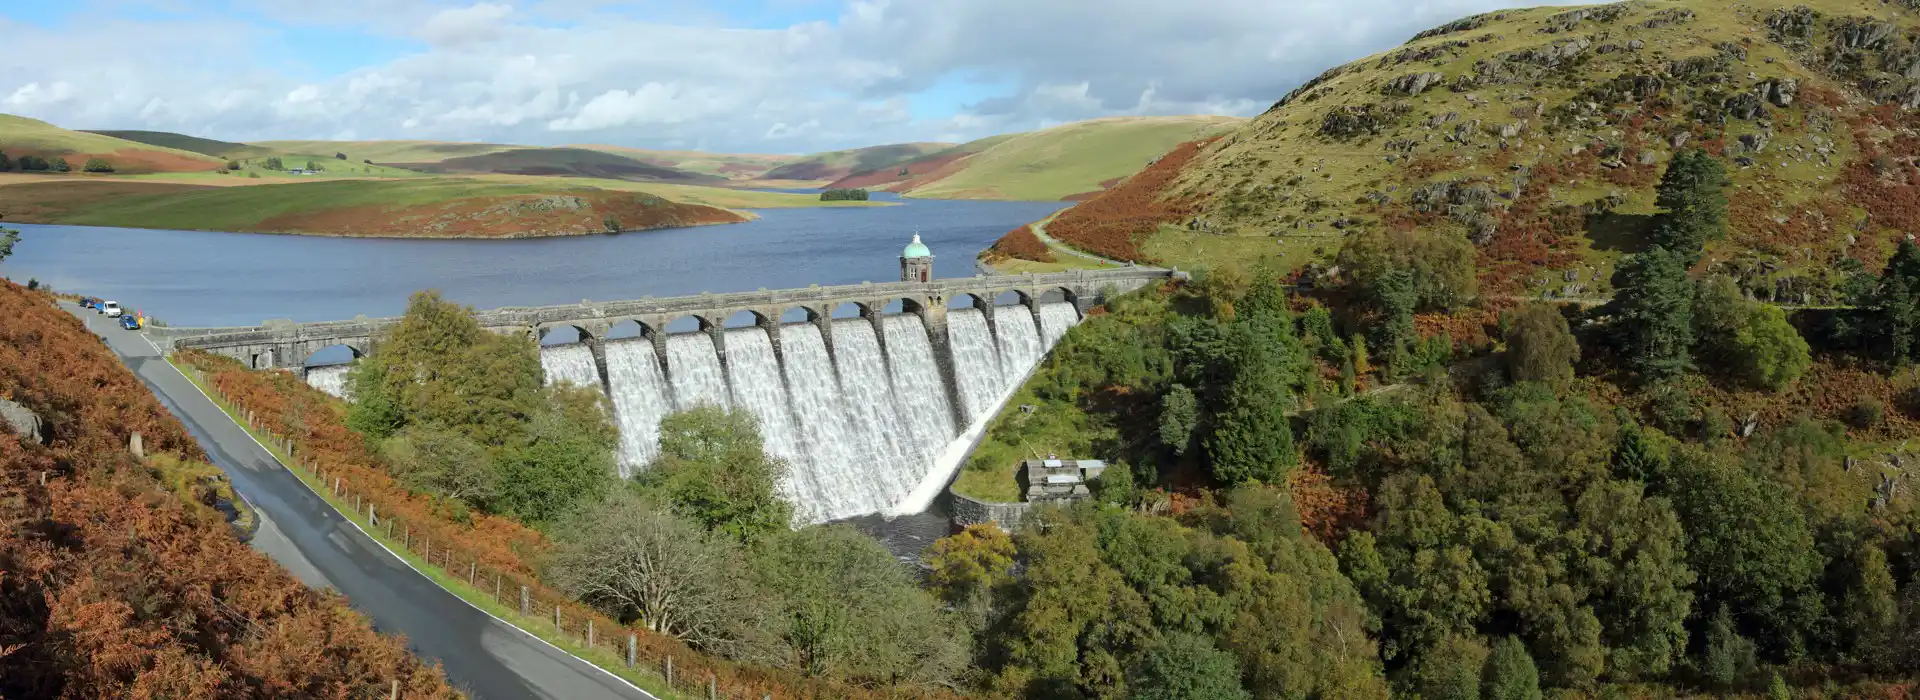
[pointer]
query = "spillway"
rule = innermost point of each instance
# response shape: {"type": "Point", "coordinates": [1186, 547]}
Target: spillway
{"type": "Point", "coordinates": [865, 427]}
{"type": "Point", "coordinates": [641, 398]}
{"type": "Point", "coordinates": [754, 378]}
{"type": "Point", "coordinates": [570, 363]}
{"type": "Point", "coordinates": [976, 362]}
{"type": "Point", "coordinates": [1055, 318]}
{"type": "Point", "coordinates": [694, 367]}
{"type": "Point", "coordinates": [1019, 343]}
{"type": "Point", "coordinates": [331, 379]}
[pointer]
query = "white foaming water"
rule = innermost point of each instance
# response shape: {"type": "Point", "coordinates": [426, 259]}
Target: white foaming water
{"type": "Point", "coordinates": [918, 391]}
{"type": "Point", "coordinates": [331, 379]}
{"type": "Point", "coordinates": [755, 377]}
{"type": "Point", "coordinates": [1019, 343]}
{"type": "Point", "coordinates": [641, 398]}
{"type": "Point", "coordinates": [695, 368]}
{"type": "Point", "coordinates": [976, 363]}
{"type": "Point", "coordinates": [880, 426]}
{"type": "Point", "coordinates": [572, 363]}
{"type": "Point", "coordinates": [1055, 318]}
{"type": "Point", "coordinates": [843, 478]}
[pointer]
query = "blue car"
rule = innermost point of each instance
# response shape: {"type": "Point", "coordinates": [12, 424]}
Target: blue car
{"type": "Point", "coordinates": [130, 323]}
{"type": "Point", "coordinates": [86, 302]}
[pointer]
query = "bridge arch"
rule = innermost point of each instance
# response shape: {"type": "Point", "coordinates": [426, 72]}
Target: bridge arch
{"type": "Point", "coordinates": [971, 300]}
{"type": "Point", "coordinates": [746, 318]}
{"type": "Point", "coordinates": [628, 328]}
{"type": "Point", "coordinates": [904, 305]}
{"type": "Point", "coordinates": [852, 309]}
{"type": "Point", "coordinates": [1059, 294]}
{"type": "Point", "coordinates": [550, 334]}
{"type": "Point", "coordinates": [799, 314]}
{"type": "Point", "coordinates": [1012, 297]}
{"type": "Point", "coordinates": [331, 355]}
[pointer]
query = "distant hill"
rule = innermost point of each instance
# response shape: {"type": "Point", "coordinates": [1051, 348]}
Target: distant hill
{"type": "Point", "coordinates": [733, 166]}
{"type": "Point", "coordinates": [386, 152]}
{"type": "Point", "coordinates": [401, 208]}
{"type": "Point", "coordinates": [183, 142]}
{"type": "Point", "coordinates": [834, 165]}
{"type": "Point", "coordinates": [1539, 135]}
{"type": "Point", "coordinates": [1070, 161]}
{"type": "Point", "coordinates": [563, 162]}
{"type": "Point", "coordinates": [22, 136]}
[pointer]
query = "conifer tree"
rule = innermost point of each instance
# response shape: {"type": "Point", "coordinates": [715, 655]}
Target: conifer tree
{"type": "Point", "coordinates": [1654, 311]}
{"type": "Point", "coordinates": [1693, 194]}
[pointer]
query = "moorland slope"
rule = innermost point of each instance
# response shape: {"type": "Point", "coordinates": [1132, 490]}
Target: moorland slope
{"type": "Point", "coordinates": [21, 136]}
{"type": "Point", "coordinates": [1539, 134]}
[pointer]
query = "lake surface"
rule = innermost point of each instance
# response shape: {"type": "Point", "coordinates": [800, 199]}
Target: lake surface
{"type": "Point", "coordinates": [195, 278]}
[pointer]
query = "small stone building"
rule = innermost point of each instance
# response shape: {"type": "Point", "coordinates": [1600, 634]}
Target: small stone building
{"type": "Point", "coordinates": [916, 262]}
{"type": "Point", "coordinates": [1059, 481]}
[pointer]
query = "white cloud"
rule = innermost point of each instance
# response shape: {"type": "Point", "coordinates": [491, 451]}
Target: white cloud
{"type": "Point", "coordinates": [570, 71]}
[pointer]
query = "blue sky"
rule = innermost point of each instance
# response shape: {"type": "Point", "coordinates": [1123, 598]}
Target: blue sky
{"type": "Point", "coordinates": [735, 75]}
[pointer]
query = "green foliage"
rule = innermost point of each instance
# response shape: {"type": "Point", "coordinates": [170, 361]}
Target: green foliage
{"type": "Point", "coordinates": [1729, 656]}
{"type": "Point", "coordinates": [442, 462]}
{"type": "Point", "coordinates": [1449, 670]}
{"type": "Point", "coordinates": [1316, 328]}
{"type": "Point", "coordinates": [273, 163]}
{"type": "Point", "coordinates": [1893, 314]}
{"type": "Point", "coordinates": [612, 224]}
{"type": "Point", "coordinates": [1440, 263]}
{"type": "Point", "coordinates": [1751, 339]}
{"type": "Point", "coordinates": [850, 610]}
{"type": "Point", "coordinates": [964, 568]}
{"type": "Point", "coordinates": [60, 165]}
{"type": "Point", "coordinates": [1752, 549]}
{"type": "Point", "coordinates": [1540, 347]}
{"type": "Point", "coordinates": [567, 462]}
{"type": "Point", "coordinates": [32, 164]}
{"type": "Point", "coordinates": [1510, 673]}
{"type": "Point", "coordinates": [1870, 614]}
{"type": "Point", "coordinates": [6, 164]}
{"type": "Point", "coordinates": [1187, 667]}
{"type": "Point", "coordinates": [1179, 414]}
{"type": "Point", "coordinates": [1693, 195]}
{"type": "Point", "coordinates": [844, 194]}
{"type": "Point", "coordinates": [713, 468]}
{"type": "Point", "coordinates": [8, 237]}
{"type": "Point", "coordinates": [97, 165]}
{"type": "Point", "coordinates": [1654, 313]}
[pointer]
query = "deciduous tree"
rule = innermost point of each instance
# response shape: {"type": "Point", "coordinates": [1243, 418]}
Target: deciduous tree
{"type": "Point", "coordinates": [1187, 667]}
{"type": "Point", "coordinates": [713, 467]}
{"type": "Point", "coordinates": [1540, 347]}
{"type": "Point", "coordinates": [1510, 673]}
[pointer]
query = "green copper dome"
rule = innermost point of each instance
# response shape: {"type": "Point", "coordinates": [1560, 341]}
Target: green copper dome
{"type": "Point", "coordinates": [916, 249]}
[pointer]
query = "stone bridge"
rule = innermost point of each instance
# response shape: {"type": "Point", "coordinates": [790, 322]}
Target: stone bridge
{"type": "Point", "coordinates": [288, 345]}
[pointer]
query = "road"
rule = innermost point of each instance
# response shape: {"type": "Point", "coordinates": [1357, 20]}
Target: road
{"type": "Point", "coordinates": [483, 656]}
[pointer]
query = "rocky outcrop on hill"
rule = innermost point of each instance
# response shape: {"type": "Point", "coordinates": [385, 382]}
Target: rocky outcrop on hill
{"type": "Point", "coordinates": [24, 422]}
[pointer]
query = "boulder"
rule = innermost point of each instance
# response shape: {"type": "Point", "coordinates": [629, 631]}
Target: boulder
{"type": "Point", "coordinates": [1780, 91]}
{"type": "Point", "coordinates": [1412, 84]}
{"type": "Point", "coordinates": [23, 422]}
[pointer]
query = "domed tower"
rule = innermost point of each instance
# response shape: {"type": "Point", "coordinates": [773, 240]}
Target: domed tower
{"type": "Point", "coordinates": [916, 262]}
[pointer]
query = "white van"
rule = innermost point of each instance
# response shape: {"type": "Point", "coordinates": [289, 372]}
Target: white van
{"type": "Point", "coordinates": [110, 308]}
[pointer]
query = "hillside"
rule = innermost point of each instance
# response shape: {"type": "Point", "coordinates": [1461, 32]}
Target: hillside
{"type": "Point", "coordinates": [1070, 161]}
{"type": "Point", "coordinates": [732, 166]}
{"type": "Point", "coordinates": [387, 151]}
{"type": "Point", "coordinates": [116, 584]}
{"type": "Point", "coordinates": [562, 162]}
{"type": "Point", "coordinates": [401, 208]}
{"type": "Point", "coordinates": [22, 136]}
{"type": "Point", "coordinates": [183, 142]}
{"type": "Point", "coordinates": [833, 165]}
{"type": "Point", "coordinates": [1540, 133]}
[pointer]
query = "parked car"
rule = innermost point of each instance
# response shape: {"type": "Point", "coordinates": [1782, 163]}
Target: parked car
{"type": "Point", "coordinates": [110, 308]}
{"type": "Point", "coordinates": [86, 302]}
{"type": "Point", "coordinates": [130, 322]}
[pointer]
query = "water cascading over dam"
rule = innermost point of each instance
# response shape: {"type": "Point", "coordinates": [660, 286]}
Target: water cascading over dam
{"type": "Point", "coordinates": [331, 379]}
{"type": "Point", "coordinates": [861, 426]}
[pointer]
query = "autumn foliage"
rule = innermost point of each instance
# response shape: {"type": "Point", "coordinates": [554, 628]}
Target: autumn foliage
{"type": "Point", "coordinates": [1112, 223]}
{"type": "Point", "coordinates": [1020, 244]}
{"type": "Point", "coordinates": [111, 587]}
{"type": "Point", "coordinates": [490, 551]}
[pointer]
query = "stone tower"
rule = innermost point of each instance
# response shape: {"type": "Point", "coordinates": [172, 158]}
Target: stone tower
{"type": "Point", "coordinates": [916, 262]}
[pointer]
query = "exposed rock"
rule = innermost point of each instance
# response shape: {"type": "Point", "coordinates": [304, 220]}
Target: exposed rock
{"type": "Point", "coordinates": [1514, 129]}
{"type": "Point", "coordinates": [1566, 21]}
{"type": "Point", "coordinates": [1859, 34]}
{"type": "Point", "coordinates": [1351, 121]}
{"type": "Point", "coordinates": [1319, 80]}
{"type": "Point", "coordinates": [1744, 162]}
{"type": "Point", "coordinates": [1679, 139]}
{"type": "Point", "coordinates": [24, 423]}
{"type": "Point", "coordinates": [1636, 45]}
{"type": "Point", "coordinates": [1678, 15]}
{"type": "Point", "coordinates": [1412, 84]}
{"type": "Point", "coordinates": [1460, 25]}
{"type": "Point", "coordinates": [1779, 91]}
{"type": "Point", "coordinates": [1699, 69]}
{"type": "Point", "coordinates": [1754, 143]}
{"type": "Point", "coordinates": [1648, 158]}
{"type": "Point", "coordinates": [1745, 106]}
{"type": "Point", "coordinates": [1792, 26]}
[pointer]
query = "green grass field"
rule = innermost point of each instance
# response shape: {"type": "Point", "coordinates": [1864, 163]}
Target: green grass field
{"type": "Point", "coordinates": [18, 134]}
{"type": "Point", "coordinates": [1052, 164]}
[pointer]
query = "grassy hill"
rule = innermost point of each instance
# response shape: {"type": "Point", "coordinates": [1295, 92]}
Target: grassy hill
{"type": "Point", "coordinates": [407, 208]}
{"type": "Point", "coordinates": [732, 166]}
{"type": "Point", "coordinates": [1070, 161]}
{"type": "Point", "coordinates": [833, 165]}
{"type": "Point", "coordinates": [183, 142]}
{"type": "Point", "coordinates": [562, 162]}
{"type": "Point", "coordinates": [22, 136]}
{"type": "Point", "coordinates": [388, 151]}
{"type": "Point", "coordinates": [1539, 135]}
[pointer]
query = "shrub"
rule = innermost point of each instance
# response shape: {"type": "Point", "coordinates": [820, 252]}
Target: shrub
{"type": "Point", "coordinates": [1540, 348]}
{"type": "Point", "coordinates": [844, 194]}
{"type": "Point", "coordinates": [1866, 414]}
{"type": "Point", "coordinates": [98, 165]}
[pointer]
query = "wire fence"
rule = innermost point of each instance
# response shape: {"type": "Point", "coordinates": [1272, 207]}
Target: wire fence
{"type": "Point", "coordinates": [636, 654]}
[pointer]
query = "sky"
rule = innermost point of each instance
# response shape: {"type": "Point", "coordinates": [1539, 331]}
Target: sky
{"type": "Point", "coordinates": [744, 76]}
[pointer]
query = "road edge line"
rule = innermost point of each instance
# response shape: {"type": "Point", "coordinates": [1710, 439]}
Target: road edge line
{"type": "Point", "coordinates": [376, 541]}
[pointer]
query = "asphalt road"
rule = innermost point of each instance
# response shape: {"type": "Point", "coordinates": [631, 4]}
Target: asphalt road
{"type": "Point", "coordinates": [482, 656]}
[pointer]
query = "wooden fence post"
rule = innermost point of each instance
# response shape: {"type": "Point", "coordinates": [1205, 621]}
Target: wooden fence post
{"type": "Point", "coordinates": [395, 695]}
{"type": "Point", "coordinates": [371, 520]}
{"type": "Point", "coordinates": [473, 569]}
{"type": "Point", "coordinates": [409, 544]}
{"type": "Point", "coordinates": [426, 546]}
{"type": "Point", "coordinates": [556, 619]}
{"type": "Point", "coordinates": [669, 670]}
{"type": "Point", "coordinates": [713, 687]}
{"type": "Point", "coordinates": [496, 587]}
{"type": "Point", "coordinates": [633, 649]}
{"type": "Point", "coordinates": [523, 601]}
{"type": "Point", "coordinates": [589, 633]}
